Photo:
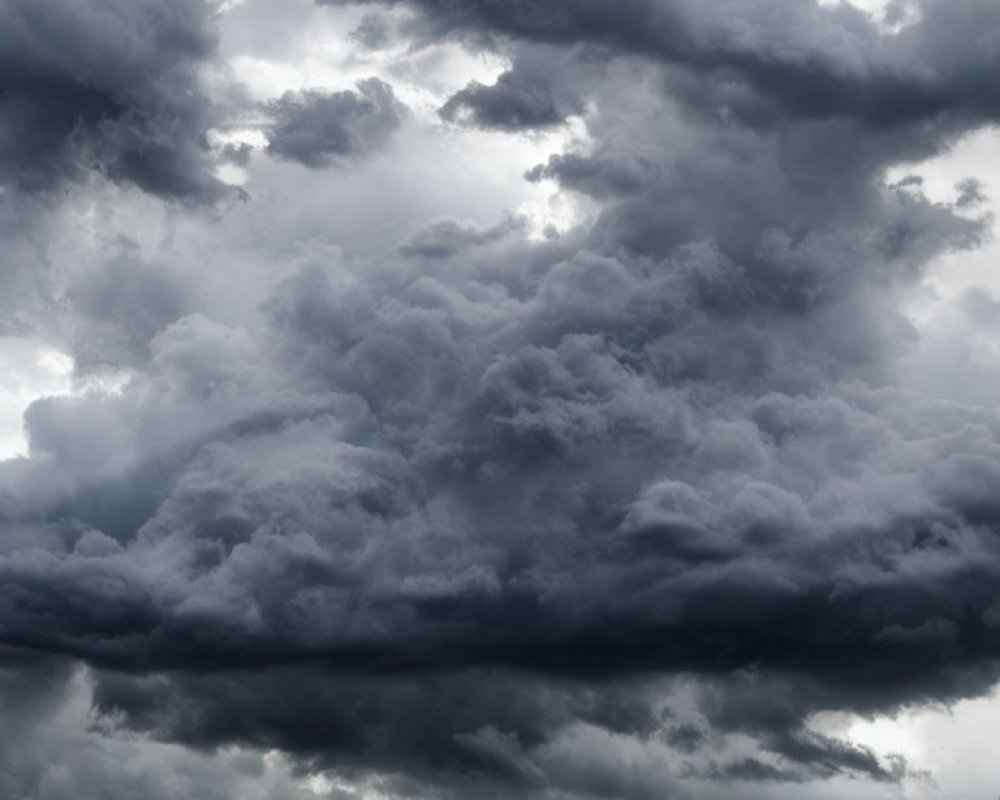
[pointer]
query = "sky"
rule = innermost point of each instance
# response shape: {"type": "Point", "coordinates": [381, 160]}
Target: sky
{"type": "Point", "coordinates": [539, 399]}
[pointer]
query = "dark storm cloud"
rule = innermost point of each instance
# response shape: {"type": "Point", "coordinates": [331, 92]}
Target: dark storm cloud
{"type": "Point", "coordinates": [505, 733]}
{"type": "Point", "coordinates": [564, 511]}
{"type": "Point", "coordinates": [112, 86]}
{"type": "Point", "coordinates": [52, 748]}
{"type": "Point", "coordinates": [810, 60]}
{"type": "Point", "coordinates": [475, 514]}
{"type": "Point", "coordinates": [536, 93]}
{"type": "Point", "coordinates": [315, 127]}
{"type": "Point", "coordinates": [507, 104]}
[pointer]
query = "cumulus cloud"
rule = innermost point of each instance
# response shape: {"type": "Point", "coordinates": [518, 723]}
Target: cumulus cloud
{"type": "Point", "coordinates": [314, 127]}
{"type": "Point", "coordinates": [613, 514]}
{"type": "Point", "coordinates": [116, 87]}
{"type": "Point", "coordinates": [538, 92]}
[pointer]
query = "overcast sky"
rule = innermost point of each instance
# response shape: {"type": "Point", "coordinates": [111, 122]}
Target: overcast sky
{"type": "Point", "coordinates": [499, 399]}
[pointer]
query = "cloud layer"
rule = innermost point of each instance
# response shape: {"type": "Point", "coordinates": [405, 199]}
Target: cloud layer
{"type": "Point", "coordinates": [613, 512]}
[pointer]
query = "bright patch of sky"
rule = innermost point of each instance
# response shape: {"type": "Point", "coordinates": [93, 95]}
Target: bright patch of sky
{"type": "Point", "coordinates": [954, 747]}
{"type": "Point", "coordinates": [956, 309]}
{"type": "Point", "coordinates": [31, 370]}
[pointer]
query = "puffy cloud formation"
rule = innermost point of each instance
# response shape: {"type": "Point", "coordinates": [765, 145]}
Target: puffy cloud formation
{"type": "Point", "coordinates": [534, 94]}
{"type": "Point", "coordinates": [113, 85]}
{"type": "Point", "coordinates": [613, 513]}
{"type": "Point", "coordinates": [312, 127]}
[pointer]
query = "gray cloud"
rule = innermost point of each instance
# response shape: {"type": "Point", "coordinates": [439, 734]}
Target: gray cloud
{"type": "Point", "coordinates": [115, 88]}
{"type": "Point", "coordinates": [537, 93]}
{"type": "Point", "coordinates": [58, 750]}
{"type": "Point", "coordinates": [436, 562]}
{"type": "Point", "coordinates": [835, 62]}
{"type": "Point", "coordinates": [315, 127]}
{"type": "Point", "coordinates": [485, 516]}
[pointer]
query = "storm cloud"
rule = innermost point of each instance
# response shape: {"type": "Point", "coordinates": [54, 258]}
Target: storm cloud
{"type": "Point", "coordinates": [534, 94]}
{"type": "Point", "coordinates": [613, 511]}
{"type": "Point", "coordinates": [314, 127]}
{"type": "Point", "coordinates": [114, 87]}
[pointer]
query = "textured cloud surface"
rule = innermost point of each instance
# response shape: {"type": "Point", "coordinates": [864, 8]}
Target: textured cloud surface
{"type": "Point", "coordinates": [359, 496]}
{"type": "Point", "coordinates": [112, 85]}
{"type": "Point", "coordinates": [312, 127]}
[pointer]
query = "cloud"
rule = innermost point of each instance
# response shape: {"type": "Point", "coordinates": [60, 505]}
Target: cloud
{"type": "Point", "coordinates": [534, 94]}
{"type": "Point", "coordinates": [458, 513]}
{"type": "Point", "coordinates": [835, 60]}
{"type": "Point", "coordinates": [314, 127]}
{"type": "Point", "coordinates": [372, 32]}
{"type": "Point", "coordinates": [116, 88]}
{"type": "Point", "coordinates": [277, 528]}
{"type": "Point", "coordinates": [62, 751]}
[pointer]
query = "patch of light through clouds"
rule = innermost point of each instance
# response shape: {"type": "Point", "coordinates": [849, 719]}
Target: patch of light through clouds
{"type": "Point", "coordinates": [324, 58]}
{"type": "Point", "coordinates": [31, 370]}
{"type": "Point", "coordinates": [952, 750]}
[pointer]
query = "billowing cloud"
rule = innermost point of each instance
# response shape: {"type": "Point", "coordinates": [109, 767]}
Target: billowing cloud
{"type": "Point", "coordinates": [115, 86]}
{"type": "Point", "coordinates": [619, 512]}
{"type": "Point", "coordinates": [540, 91]}
{"type": "Point", "coordinates": [808, 59]}
{"type": "Point", "coordinates": [314, 127]}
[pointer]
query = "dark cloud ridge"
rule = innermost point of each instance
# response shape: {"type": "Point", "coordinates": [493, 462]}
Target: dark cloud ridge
{"type": "Point", "coordinates": [838, 62]}
{"type": "Point", "coordinates": [315, 127]}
